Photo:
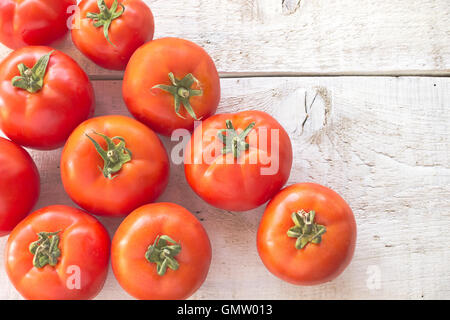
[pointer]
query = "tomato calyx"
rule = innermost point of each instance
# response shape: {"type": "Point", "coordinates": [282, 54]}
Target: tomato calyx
{"type": "Point", "coordinates": [105, 16]}
{"type": "Point", "coordinates": [234, 142]}
{"type": "Point", "coordinates": [163, 252]}
{"type": "Point", "coordinates": [45, 249]}
{"type": "Point", "coordinates": [182, 92]}
{"type": "Point", "coordinates": [305, 230]}
{"type": "Point", "coordinates": [114, 157]}
{"type": "Point", "coordinates": [32, 79]}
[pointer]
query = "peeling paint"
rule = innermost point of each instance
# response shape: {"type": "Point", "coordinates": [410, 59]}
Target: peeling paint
{"type": "Point", "coordinates": [290, 6]}
{"type": "Point", "coordinates": [324, 127]}
{"type": "Point", "coordinates": [307, 110]}
{"type": "Point", "coordinates": [326, 97]}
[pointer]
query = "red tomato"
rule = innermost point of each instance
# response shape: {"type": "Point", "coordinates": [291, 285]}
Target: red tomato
{"type": "Point", "coordinates": [318, 246]}
{"type": "Point", "coordinates": [33, 22]}
{"type": "Point", "coordinates": [169, 83]}
{"type": "Point", "coordinates": [46, 100]}
{"type": "Point", "coordinates": [111, 35]}
{"type": "Point", "coordinates": [238, 161]}
{"type": "Point", "coordinates": [111, 165]}
{"type": "Point", "coordinates": [19, 185]}
{"type": "Point", "coordinates": [58, 253]}
{"type": "Point", "coordinates": [161, 251]}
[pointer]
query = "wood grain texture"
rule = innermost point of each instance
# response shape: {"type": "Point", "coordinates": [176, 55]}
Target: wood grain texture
{"type": "Point", "coordinates": [401, 37]}
{"type": "Point", "coordinates": [382, 143]}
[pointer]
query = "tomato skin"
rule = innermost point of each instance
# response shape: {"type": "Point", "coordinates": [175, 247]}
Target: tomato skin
{"type": "Point", "coordinates": [315, 263]}
{"type": "Point", "coordinates": [235, 186]}
{"type": "Point", "coordinates": [137, 275]}
{"type": "Point", "coordinates": [84, 243]}
{"type": "Point", "coordinates": [128, 32]}
{"type": "Point", "coordinates": [140, 181]}
{"type": "Point", "coordinates": [33, 22]}
{"type": "Point", "coordinates": [44, 119]}
{"type": "Point", "coordinates": [155, 107]}
{"type": "Point", "coordinates": [19, 185]}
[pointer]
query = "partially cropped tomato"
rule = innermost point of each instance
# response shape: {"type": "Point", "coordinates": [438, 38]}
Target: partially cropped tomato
{"type": "Point", "coordinates": [161, 251]}
{"type": "Point", "coordinates": [33, 22]}
{"type": "Point", "coordinates": [44, 95]}
{"type": "Point", "coordinates": [111, 165]}
{"type": "Point", "coordinates": [19, 185]}
{"type": "Point", "coordinates": [58, 253]}
{"type": "Point", "coordinates": [238, 161]}
{"type": "Point", "coordinates": [307, 234]}
{"type": "Point", "coordinates": [110, 31]}
{"type": "Point", "coordinates": [169, 83]}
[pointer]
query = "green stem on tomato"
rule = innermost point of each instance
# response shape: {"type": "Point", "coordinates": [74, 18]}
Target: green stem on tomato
{"type": "Point", "coordinates": [182, 92]}
{"type": "Point", "coordinates": [163, 252]}
{"type": "Point", "coordinates": [305, 229]}
{"type": "Point", "coordinates": [234, 142]}
{"type": "Point", "coordinates": [105, 17]}
{"type": "Point", "coordinates": [32, 79]}
{"type": "Point", "coordinates": [114, 157]}
{"type": "Point", "coordinates": [46, 249]}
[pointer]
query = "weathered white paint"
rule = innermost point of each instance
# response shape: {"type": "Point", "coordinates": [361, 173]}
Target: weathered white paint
{"type": "Point", "coordinates": [307, 36]}
{"type": "Point", "coordinates": [382, 143]}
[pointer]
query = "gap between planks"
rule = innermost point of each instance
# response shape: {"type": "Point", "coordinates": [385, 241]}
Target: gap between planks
{"type": "Point", "coordinates": [229, 75]}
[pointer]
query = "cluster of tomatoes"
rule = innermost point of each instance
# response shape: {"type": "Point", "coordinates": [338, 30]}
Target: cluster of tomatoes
{"type": "Point", "coordinates": [117, 166]}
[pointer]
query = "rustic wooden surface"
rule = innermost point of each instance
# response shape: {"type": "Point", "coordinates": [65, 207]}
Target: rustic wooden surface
{"type": "Point", "coordinates": [314, 37]}
{"type": "Point", "coordinates": [382, 142]}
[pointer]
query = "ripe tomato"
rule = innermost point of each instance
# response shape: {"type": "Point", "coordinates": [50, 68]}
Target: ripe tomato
{"type": "Point", "coordinates": [58, 253]}
{"type": "Point", "coordinates": [169, 83]}
{"type": "Point", "coordinates": [238, 161]}
{"type": "Point", "coordinates": [44, 96]}
{"type": "Point", "coordinates": [33, 22]}
{"type": "Point", "coordinates": [307, 234]}
{"type": "Point", "coordinates": [111, 165]}
{"type": "Point", "coordinates": [19, 185]}
{"type": "Point", "coordinates": [109, 35]}
{"type": "Point", "coordinates": [161, 251]}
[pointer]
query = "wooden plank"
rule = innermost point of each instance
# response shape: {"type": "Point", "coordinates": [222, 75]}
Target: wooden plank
{"type": "Point", "coordinates": [382, 143]}
{"type": "Point", "coordinates": [308, 37]}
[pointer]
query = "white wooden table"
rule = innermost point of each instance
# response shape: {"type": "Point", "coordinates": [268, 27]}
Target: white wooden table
{"type": "Point", "coordinates": [378, 133]}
